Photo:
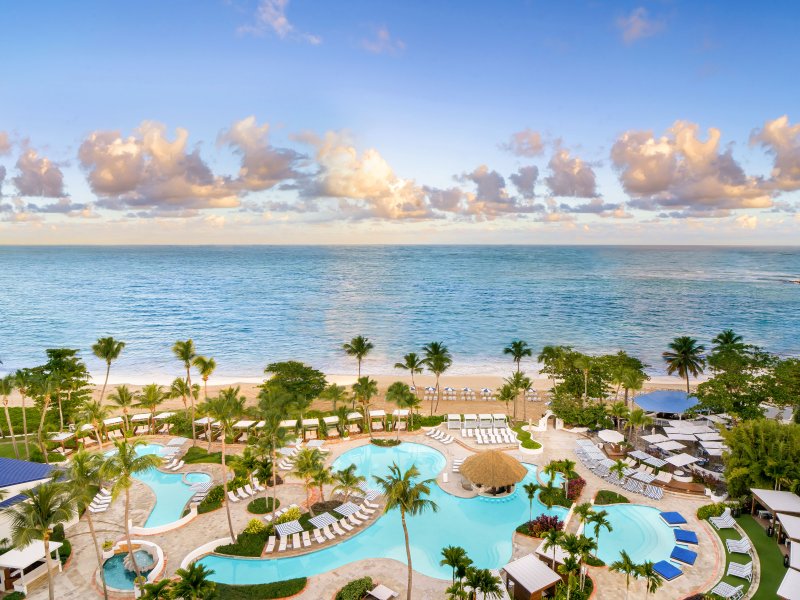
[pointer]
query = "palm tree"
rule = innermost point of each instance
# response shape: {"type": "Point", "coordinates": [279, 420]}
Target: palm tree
{"type": "Point", "coordinates": [652, 578]}
{"type": "Point", "coordinates": [583, 511]}
{"type": "Point", "coordinates": [335, 393]}
{"type": "Point", "coordinates": [272, 403]}
{"type": "Point", "coordinates": [107, 349]}
{"type": "Point", "coordinates": [7, 385]}
{"type": "Point", "coordinates": [413, 363]}
{"type": "Point", "coordinates": [586, 546]}
{"type": "Point", "coordinates": [359, 347]}
{"type": "Point", "coordinates": [347, 481]}
{"type": "Point", "coordinates": [632, 380]}
{"type": "Point", "coordinates": [401, 395]}
{"type": "Point", "coordinates": [126, 400]}
{"type": "Point", "coordinates": [151, 397]}
{"type": "Point", "coordinates": [727, 341]}
{"type": "Point", "coordinates": [618, 411]}
{"type": "Point", "coordinates": [569, 568]}
{"type": "Point", "coordinates": [194, 583]}
{"type": "Point", "coordinates": [364, 390]}
{"type": "Point", "coordinates": [184, 352]}
{"type": "Point", "coordinates": [518, 350]}
{"type": "Point", "coordinates": [404, 493]}
{"type": "Point", "coordinates": [599, 520]}
{"type": "Point", "coordinates": [320, 478]}
{"type": "Point", "coordinates": [549, 493]}
{"type": "Point", "coordinates": [94, 413]}
{"type": "Point", "coordinates": [638, 420]}
{"type": "Point", "coordinates": [484, 581]}
{"type": "Point", "coordinates": [685, 357]}
{"type": "Point", "coordinates": [454, 557]}
{"type": "Point", "coordinates": [22, 380]}
{"type": "Point", "coordinates": [83, 475]}
{"type": "Point", "coordinates": [552, 540]}
{"type": "Point", "coordinates": [530, 491]}
{"type": "Point", "coordinates": [619, 468]}
{"type": "Point", "coordinates": [567, 468]}
{"type": "Point", "coordinates": [307, 463]}
{"type": "Point", "coordinates": [507, 394]}
{"type": "Point", "coordinates": [158, 590]}
{"type": "Point", "coordinates": [205, 366]}
{"type": "Point", "coordinates": [45, 506]}
{"type": "Point", "coordinates": [226, 409]}
{"type": "Point", "coordinates": [438, 359]}
{"type": "Point", "coordinates": [120, 467]}
{"type": "Point", "coordinates": [45, 386]}
{"type": "Point", "coordinates": [625, 566]}
{"type": "Point", "coordinates": [519, 382]}
{"type": "Point", "coordinates": [585, 363]}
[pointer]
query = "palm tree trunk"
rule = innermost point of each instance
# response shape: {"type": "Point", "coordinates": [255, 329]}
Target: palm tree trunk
{"type": "Point", "coordinates": [687, 383]}
{"type": "Point", "coordinates": [408, 553]}
{"type": "Point", "coordinates": [60, 413]}
{"type": "Point", "coordinates": [225, 486]}
{"type": "Point", "coordinates": [274, 481]}
{"type": "Point", "coordinates": [191, 396]}
{"type": "Point", "coordinates": [105, 383]}
{"type": "Point", "coordinates": [42, 447]}
{"type": "Point", "coordinates": [46, 540]}
{"type": "Point", "coordinates": [128, 532]}
{"type": "Point", "coordinates": [25, 428]}
{"type": "Point", "coordinates": [97, 553]}
{"type": "Point", "coordinates": [98, 436]}
{"type": "Point", "coordinates": [10, 429]}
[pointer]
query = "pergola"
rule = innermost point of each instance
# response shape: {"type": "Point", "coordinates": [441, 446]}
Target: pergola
{"type": "Point", "coordinates": [790, 525]}
{"type": "Point", "coordinates": [380, 416]}
{"type": "Point", "coordinates": [331, 423]}
{"type": "Point", "coordinates": [241, 428]}
{"type": "Point", "coordinates": [776, 501]}
{"type": "Point", "coordinates": [397, 414]}
{"type": "Point", "coordinates": [453, 421]}
{"type": "Point", "coordinates": [19, 561]}
{"type": "Point", "coordinates": [485, 421]}
{"type": "Point", "coordinates": [309, 424]}
{"type": "Point", "coordinates": [470, 421]}
{"type": "Point", "coordinates": [790, 586]}
{"type": "Point", "coordinates": [531, 575]}
{"type": "Point", "coordinates": [499, 420]}
{"type": "Point", "coordinates": [354, 417]}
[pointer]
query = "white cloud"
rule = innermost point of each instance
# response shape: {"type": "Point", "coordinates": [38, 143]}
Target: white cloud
{"type": "Point", "coordinates": [570, 176]}
{"type": "Point", "coordinates": [638, 24]}
{"type": "Point", "coordinates": [525, 180]}
{"type": "Point", "coordinates": [782, 140]}
{"type": "Point", "coordinates": [38, 176]}
{"type": "Point", "coordinates": [5, 143]}
{"type": "Point", "coordinates": [526, 143]}
{"type": "Point", "coordinates": [382, 42]}
{"type": "Point", "coordinates": [271, 16]}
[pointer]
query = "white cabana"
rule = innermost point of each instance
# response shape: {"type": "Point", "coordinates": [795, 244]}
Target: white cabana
{"type": "Point", "coordinates": [378, 415]}
{"type": "Point", "coordinates": [334, 420]}
{"type": "Point", "coordinates": [655, 438]}
{"type": "Point", "coordinates": [715, 451]}
{"type": "Point", "coordinates": [288, 423]}
{"type": "Point", "coordinates": [681, 460]}
{"type": "Point", "coordinates": [163, 416]}
{"type": "Point", "coordinates": [62, 436]}
{"type": "Point", "coordinates": [470, 421]}
{"type": "Point", "coordinates": [611, 436]}
{"type": "Point", "coordinates": [670, 446]}
{"type": "Point", "coordinates": [453, 421]}
{"type": "Point", "coordinates": [531, 574]}
{"type": "Point", "coordinates": [20, 559]}
{"type": "Point", "coordinates": [355, 416]}
{"type": "Point", "coordinates": [485, 421]}
{"type": "Point", "coordinates": [243, 424]}
{"type": "Point", "coordinates": [791, 527]}
{"type": "Point", "coordinates": [790, 586]}
{"type": "Point", "coordinates": [310, 423]}
{"type": "Point", "coordinates": [260, 425]}
{"type": "Point", "coordinates": [140, 417]}
{"type": "Point", "coordinates": [86, 428]}
{"type": "Point", "coordinates": [500, 421]}
{"type": "Point", "coordinates": [794, 556]}
{"type": "Point", "coordinates": [778, 501]}
{"type": "Point", "coordinates": [113, 421]}
{"type": "Point", "coordinates": [397, 415]}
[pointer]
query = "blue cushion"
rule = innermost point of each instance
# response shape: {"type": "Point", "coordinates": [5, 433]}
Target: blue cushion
{"type": "Point", "coordinates": [683, 555]}
{"type": "Point", "coordinates": [673, 518]}
{"type": "Point", "coordinates": [667, 570]}
{"type": "Point", "coordinates": [685, 536]}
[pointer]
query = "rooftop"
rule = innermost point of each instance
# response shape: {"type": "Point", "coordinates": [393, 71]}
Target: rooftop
{"type": "Point", "coordinates": [15, 472]}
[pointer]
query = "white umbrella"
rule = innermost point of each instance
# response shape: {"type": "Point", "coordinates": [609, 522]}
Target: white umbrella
{"type": "Point", "coordinates": [611, 436]}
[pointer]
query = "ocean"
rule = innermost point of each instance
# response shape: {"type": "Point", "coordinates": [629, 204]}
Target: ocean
{"type": "Point", "coordinates": [250, 305]}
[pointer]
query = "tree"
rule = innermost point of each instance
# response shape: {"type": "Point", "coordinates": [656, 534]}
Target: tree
{"type": "Point", "coordinates": [727, 340]}
{"type": "Point", "coordinates": [358, 347]}
{"type": "Point", "coordinates": [567, 468]}
{"type": "Point", "coordinates": [83, 475]}
{"type": "Point", "coordinates": [618, 411]}
{"type": "Point", "coordinates": [484, 581]}
{"type": "Point", "coordinates": [519, 382]}
{"type": "Point", "coordinates": [43, 388]}
{"type": "Point", "coordinates": [685, 357]}
{"type": "Point", "coordinates": [438, 359]}
{"type": "Point", "coordinates": [401, 396]}
{"type": "Point", "coordinates": [454, 557]}
{"type": "Point", "coordinates": [585, 363]}
{"type": "Point", "coordinates": [120, 468]}
{"type": "Point", "coordinates": [552, 540]}
{"type": "Point", "coordinates": [320, 478]}
{"type": "Point", "coordinates": [530, 491]}
{"type": "Point", "coordinates": [205, 366]}
{"type": "Point", "coordinates": [94, 413]}
{"type": "Point", "coordinates": [549, 493]}
{"type": "Point", "coordinates": [599, 520]}
{"type": "Point", "coordinates": [45, 506]}
{"type": "Point", "coordinates": [638, 420]}
{"type": "Point", "coordinates": [583, 511]}
{"type": "Point", "coordinates": [226, 409]}
{"type": "Point", "coordinates": [158, 590]}
{"type": "Point", "coordinates": [625, 566]}
{"type": "Point", "coordinates": [70, 379]}
{"type": "Point", "coordinates": [184, 352]}
{"type": "Point", "coordinates": [507, 394]}
{"type": "Point", "coordinates": [23, 381]}
{"type": "Point", "coordinates": [151, 397]}
{"type": "Point", "coordinates": [413, 363]}
{"type": "Point", "coordinates": [347, 481]}
{"type": "Point", "coordinates": [335, 393]}
{"type": "Point", "coordinates": [518, 350]}
{"type": "Point", "coordinates": [404, 493]}
{"type": "Point", "coordinates": [299, 381]}
{"type": "Point", "coordinates": [7, 385]}
{"type": "Point", "coordinates": [126, 400]}
{"type": "Point", "coordinates": [569, 567]}
{"type": "Point", "coordinates": [272, 404]}
{"type": "Point", "coordinates": [194, 583]}
{"type": "Point", "coordinates": [585, 548]}
{"type": "Point", "coordinates": [364, 390]}
{"type": "Point", "coordinates": [652, 578]}
{"type": "Point", "coordinates": [108, 350]}
{"type": "Point", "coordinates": [619, 468]}
{"type": "Point", "coordinates": [307, 463]}
{"type": "Point", "coordinates": [553, 360]}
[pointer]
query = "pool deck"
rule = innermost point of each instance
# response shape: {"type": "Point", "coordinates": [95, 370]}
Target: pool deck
{"type": "Point", "coordinates": [79, 575]}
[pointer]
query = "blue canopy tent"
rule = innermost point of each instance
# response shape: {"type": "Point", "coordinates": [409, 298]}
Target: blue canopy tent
{"type": "Point", "coordinates": [666, 401]}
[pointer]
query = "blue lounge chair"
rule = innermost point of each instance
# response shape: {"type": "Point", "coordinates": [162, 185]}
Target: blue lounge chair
{"type": "Point", "coordinates": [673, 519]}
{"type": "Point", "coordinates": [683, 555]}
{"type": "Point", "coordinates": [667, 570]}
{"type": "Point", "coordinates": [685, 536]}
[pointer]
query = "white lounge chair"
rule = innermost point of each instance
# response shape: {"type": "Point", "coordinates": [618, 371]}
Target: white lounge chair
{"type": "Point", "coordinates": [282, 545]}
{"type": "Point", "coordinates": [271, 544]}
{"type": "Point", "coordinates": [741, 546]}
{"type": "Point", "coordinates": [306, 539]}
{"type": "Point", "coordinates": [257, 484]}
{"type": "Point", "coordinates": [249, 490]}
{"type": "Point", "coordinates": [740, 570]}
{"type": "Point", "coordinates": [355, 520]}
{"type": "Point", "coordinates": [328, 533]}
{"type": "Point", "coordinates": [232, 497]}
{"type": "Point", "coordinates": [179, 465]}
{"type": "Point", "coordinates": [242, 494]}
{"type": "Point", "coordinates": [296, 540]}
{"type": "Point", "coordinates": [318, 536]}
{"type": "Point", "coordinates": [727, 591]}
{"type": "Point", "coordinates": [346, 525]}
{"type": "Point", "coordinates": [338, 530]}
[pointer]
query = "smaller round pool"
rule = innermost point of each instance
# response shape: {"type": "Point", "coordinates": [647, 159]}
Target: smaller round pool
{"type": "Point", "coordinates": [196, 478]}
{"type": "Point", "coordinates": [117, 576]}
{"type": "Point", "coordinates": [638, 530]}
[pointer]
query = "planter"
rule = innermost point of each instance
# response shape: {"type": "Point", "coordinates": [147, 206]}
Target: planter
{"type": "Point", "coordinates": [532, 451]}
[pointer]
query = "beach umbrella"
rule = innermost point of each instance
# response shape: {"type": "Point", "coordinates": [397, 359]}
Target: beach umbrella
{"type": "Point", "coordinates": [467, 390]}
{"type": "Point", "coordinates": [611, 436]}
{"type": "Point", "coordinates": [430, 389]}
{"type": "Point", "coordinates": [449, 389]}
{"type": "Point", "coordinates": [486, 391]}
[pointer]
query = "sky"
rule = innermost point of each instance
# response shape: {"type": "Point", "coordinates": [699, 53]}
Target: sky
{"type": "Point", "coordinates": [292, 121]}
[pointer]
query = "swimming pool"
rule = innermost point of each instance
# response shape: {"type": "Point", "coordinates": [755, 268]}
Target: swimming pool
{"type": "Point", "coordinates": [482, 526]}
{"type": "Point", "coordinates": [117, 576]}
{"type": "Point", "coordinates": [171, 492]}
{"type": "Point", "coordinates": [638, 530]}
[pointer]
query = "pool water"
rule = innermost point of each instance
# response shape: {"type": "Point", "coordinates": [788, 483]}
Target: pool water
{"type": "Point", "coordinates": [638, 530]}
{"type": "Point", "coordinates": [117, 576]}
{"type": "Point", "coordinates": [482, 526]}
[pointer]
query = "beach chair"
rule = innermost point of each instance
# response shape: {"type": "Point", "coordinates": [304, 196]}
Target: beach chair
{"type": "Point", "coordinates": [667, 570]}
{"type": "Point", "coordinates": [684, 536]}
{"type": "Point", "coordinates": [445, 477]}
{"type": "Point", "coordinates": [683, 555]}
{"type": "Point", "coordinates": [355, 520]}
{"type": "Point", "coordinates": [724, 521]}
{"type": "Point", "coordinates": [337, 530]}
{"type": "Point", "coordinates": [741, 546]}
{"type": "Point", "coordinates": [740, 570]}
{"type": "Point", "coordinates": [727, 591]}
{"type": "Point", "coordinates": [306, 539]}
{"type": "Point", "coordinates": [249, 490]}
{"type": "Point", "coordinates": [178, 466]}
{"type": "Point", "coordinates": [328, 533]}
{"type": "Point", "coordinates": [257, 485]}
{"type": "Point", "coordinates": [270, 544]}
{"type": "Point", "coordinates": [672, 518]}
{"type": "Point", "coordinates": [318, 536]}
{"type": "Point", "coordinates": [232, 497]}
{"type": "Point", "coordinates": [98, 509]}
{"type": "Point", "coordinates": [367, 511]}
{"type": "Point", "coordinates": [282, 545]}
{"type": "Point", "coordinates": [345, 525]}
{"type": "Point", "coordinates": [381, 592]}
{"type": "Point", "coordinates": [242, 494]}
{"type": "Point", "coordinates": [296, 541]}
{"type": "Point", "coordinates": [370, 504]}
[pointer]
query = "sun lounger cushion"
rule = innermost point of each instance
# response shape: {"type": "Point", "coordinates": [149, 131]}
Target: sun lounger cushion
{"type": "Point", "coordinates": [685, 536]}
{"type": "Point", "coordinates": [667, 570]}
{"type": "Point", "coordinates": [683, 555]}
{"type": "Point", "coordinates": [672, 518]}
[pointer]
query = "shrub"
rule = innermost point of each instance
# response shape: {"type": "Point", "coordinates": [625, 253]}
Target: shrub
{"type": "Point", "coordinates": [575, 487]}
{"type": "Point", "coordinates": [212, 501]}
{"type": "Point", "coordinates": [291, 514]}
{"type": "Point", "coordinates": [108, 545]}
{"type": "Point", "coordinates": [356, 589]}
{"type": "Point", "coordinates": [544, 523]}
{"type": "Point", "coordinates": [247, 544]}
{"type": "Point", "coordinates": [57, 534]}
{"type": "Point", "coordinates": [711, 510]}
{"type": "Point", "coordinates": [609, 497]}
{"type": "Point", "coordinates": [14, 596]}
{"type": "Point", "coordinates": [384, 442]}
{"type": "Point", "coordinates": [64, 551]}
{"type": "Point", "coordinates": [255, 526]}
{"type": "Point", "coordinates": [262, 591]}
{"type": "Point", "coordinates": [259, 506]}
{"type": "Point", "coordinates": [525, 439]}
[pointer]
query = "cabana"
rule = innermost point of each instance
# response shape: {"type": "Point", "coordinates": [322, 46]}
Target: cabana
{"type": "Point", "coordinates": [485, 421]}
{"type": "Point", "coordinates": [113, 425]}
{"type": "Point", "coordinates": [61, 437]}
{"type": "Point", "coordinates": [309, 424]}
{"type": "Point", "coordinates": [331, 425]}
{"type": "Point", "coordinates": [528, 578]}
{"type": "Point", "coordinates": [549, 555]}
{"type": "Point", "coordinates": [162, 424]}
{"type": "Point", "coordinates": [775, 502]}
{"type": "Point", "coordinates": [353, 418]}
{"type": "Point", "coordinates": [790, 526]}
{"type": "Point", "coordinates": [140, 419]}
{"type": "Point", "coordinates": [397, 415]}
{"type": "Point", "coordinates": [87, 429]}
{"type": "Point", "coordinates": [681, 460]}
{"type": "Point", "coordinates": [206, 423]}
{"type": "Point", "coordinates": [288, 424]}
{"type": "Point", "coordinates": [470, 421]}
{"type": "Point", "coordinates": [453, 421]}
{"type": "Point", "coordinates": [493, 471]}
{"type": "Point", "coordinates": [790, 586]}
{"type": "Point", "coordinates": [240, 428]}
{"type": "Point", "coordinates": [24, 565]}
{"type": "Point", "coordinates": [378, 415]}
{"type": "Point", "coordinates": [499, 421]}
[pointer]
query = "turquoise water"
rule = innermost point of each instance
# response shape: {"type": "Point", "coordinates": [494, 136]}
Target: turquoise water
{"type": "Point", "coordinates": [117, 576]}
{"type": "Point", "coordinates": [484, 527]}
{"type": "Point", "coordinates": [303, 302]}
{"type": "Point", "coordinates": [171, 492]}
{"type": "Point", "coordinates": [638, 530]}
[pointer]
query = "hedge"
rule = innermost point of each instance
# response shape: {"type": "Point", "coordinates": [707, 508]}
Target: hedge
{"type": "Point", "coordinates": [212, 501]}
{"type": "Point", "coordinates": [247, 544]}
{"type": "Point", "coordinates": [609, 497]}
{"type": "Point", "coordinates": [385, 443]}
{"type": "Point", "coordinates": [711, 510]}
{"type": "Point", "coordinates": [356, 589]}
{"type": "Point", "coordinates": [525, 439]}
{"type": "Point", "coordinates": [259, 506]}
{"type": "Point", "coordinates": [262, 591]}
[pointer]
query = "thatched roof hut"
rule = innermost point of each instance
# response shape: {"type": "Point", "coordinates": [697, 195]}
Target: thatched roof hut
{"type": "Point", "coordinates": [493, 469]}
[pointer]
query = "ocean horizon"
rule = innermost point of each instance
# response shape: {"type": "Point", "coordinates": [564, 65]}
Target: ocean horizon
{"type": "Point", "coordinates": [250, 305]}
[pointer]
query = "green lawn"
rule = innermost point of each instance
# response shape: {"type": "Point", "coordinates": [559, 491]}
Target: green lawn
{"type": "Point", "coordinates": [7, 450]}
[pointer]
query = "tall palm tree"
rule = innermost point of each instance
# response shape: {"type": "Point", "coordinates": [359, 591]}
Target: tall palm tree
{"type": "Point", "coordinates": [364, 390]}
{"type": "Point", "coordinates": [401, 395]}
{"type": "Point", "coordinates": [632, 380]}
{"type": "Point", "coordinates": [685, 357]}
{"type": "Point", "coordinates": [638, 420]}
{"type": "Point", "coordinates": [23, 382]}
{"type": "Point", "coordinates": [45, 387]}
{"type": "Point", "coordinates": [194, 583]}
{"type": "Point", "coordinates": [120, 468]}
{"type": "Point", "coordinates": [151, 397]}
{"type": "Point", "coordinates": [94, 413]}
{"type": "Point", "coordinates": [454, 557]}
{"type": "Point", "coordinates": [585, 363]}
{"type": "Point", "coordinates": [518, 350]}
{"type": "Point", "coordinates": [83, 475]}
{"type": "Point", "coordinates": [507, 394]}
{"type": "Point", "coordinates": [320, 478]}
{"type": "Point", "coordinates": [272, 405]}
{"type": "Point", "coordinates": [599, 520]}
{"type": "Point", "coordinates": [438, 359]}
{"type": "Point", "coordinates": [583, 511]}
{"type": "Point", "coordinates": [45, 506]}
{"type": "Point", "coordinates": [727, 340]}
{"type": "Point", "coordinates": [184, 352]}
{"type": "Point", "coordinates": [347, 481]}
{"type": "Point", "coordinates": [484, 581]}
{"type": "Point", "coordinates": [413, 363]}
{"type": "Point", "coordinates": [335, 393]}
{"type": "Point", "coordinates": [107, 349]}
{"type": "Point", "coordinates": [586, 546]}
{"type": "Point", "coordinates": [549, 493]}
{"type": "Point", "coordinates": [567, 468]}
{"type": "Point", "coordinates": [618, 411]}
{"type": "Point", "coordinates": [552, 540]}
{"type": "Point", "coordinates": [403, 492]}
{"type": "Point", "coordinates": [627, 567]}
{"type": "Point", "coordinates": [652, 578]}
{"type": "Point", "coordinates": [530, 491]}
{"type": "Point", "coordinates": [358, 347]}
{"type": "Point", "coordinates": [126, 400]}
{"type": "Point", "coordinates": [569, 568]}
{"type": "Point", "coordinates": [226, 409]}
{"type": "Point", "coordinates": [307, 463]}
{"type": "Point", "coordinates": [7, 385]}
{"type": "Point", "coordinates": [519, 382]}
{"type": "Point", "coordinates": [205, 366]}
{"type": "Point", "coordinates": [618, 468]}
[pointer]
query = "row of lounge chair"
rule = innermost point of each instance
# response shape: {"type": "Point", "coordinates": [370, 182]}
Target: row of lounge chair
{"type": "Point", "coordinates": [245, 491]}
{"type": "Point", "coordinates": [727, 591]}
{"type": "Point", "coordinates": [100, 502]}
{"type": "Point", "coordinates": [457, 464]}
{"type": "Point", "coordinates": [626, 482]}
{"type": "Point", "coordinates": [173, 465]}
{"type": "Point", "coordinates": [491, 436]}
{"type": "Point", "coordinates": [724, 521]}
{"type": "Point", "coordinates": [438, 434]}
{"type": "Point", "coordinates": [268, 518]}
{"type": "Point", "coordinates": [681, 554]}
{"type": "Point", "coordinates": [742, 571]}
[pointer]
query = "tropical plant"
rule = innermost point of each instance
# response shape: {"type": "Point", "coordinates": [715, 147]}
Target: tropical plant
{"type": "Point", "coordinates": [364, 390]}
{"type": "Point", "coordinates": [184, 352]}
{"type": "Point", "coordinates": [530, 491]}
{"type": "Point", "coordinates": [336, 394]}
{"type": "Point", "coordinates": [158, 590]}
{"type": "Point", "coordinates": [7, 385]}
{"type": "Point", "coordinates": [404, 493]}
{"type": "Point", "coordinates": [518, 350]}
{"type": "Point", "coordinates": [126, 400]}
{"type": "Point", "coordinates": [22, 380]}
{"type": "Point", "coordinates": [151, 397]}
{"type": "Point", "coordinates": [44, 387]}
{"type": "Point", "coordinates": [507, 394]}
{"type": "Point", "coordinates": [482, 580]}
{"type": "Point", "coordinates": [93, 413]}
{"type": "Point", "coordinates": [108, 350]}
{"type": "Point", "coordinates": [194, 583]}
{"type": "Point", "coordinates": [727, 340]}
{"type": "Point", "coordinates": [297, 382]}
{"type": "Point", "coordinates": [549, 493]}
{"type": "Point", "coordinates": [347, 481]}
{"type": "Point", "coordinates": [552, 540]}
{"type": "Point", "coordinates": [401, 396]}
{"type": "Point", "coordinates": [618, 411]}
{"type": "Point", "coordinates": [272, 403]}
{"type": "Point", "coordinates": [652, 578]}
{"type": "Point", "coordinates": [599, 520]}
{"type": "Point", "coordinates": [413, 363]}
{"type": "Point", "coordinates": [455, 557]}
{"type": "Point", "coordinates": [583, 511]}
{"type": "Point", "coordinates": [618, 468]}
{"type": "Point", "coordinates": [627, 567]}
{"type": "Point", "coordinates": [205, 367]}
{"type": "Point", "coordinates": [307, 463]}
{"type": "Point", "coordinates": [45, 506]}
{"type": "Point", "coordinates": [638, 420]}
{"type": "Point", "coordinates": [519, 382]}
{"type": "Point", "coordinates": [438, 359]}
{"type": "Point", "coordinates": [569, 567]}
{"type": "Point", "coordinates": [120, 467]}
{"type": "Point", "coordinates": [585, 363]}
{"type": "Point", "coordinates": [685, 357]}
{"type": "Point", "coordinates": [358, 347]}
{"type": "Point", "coordinates": [320, 478]}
